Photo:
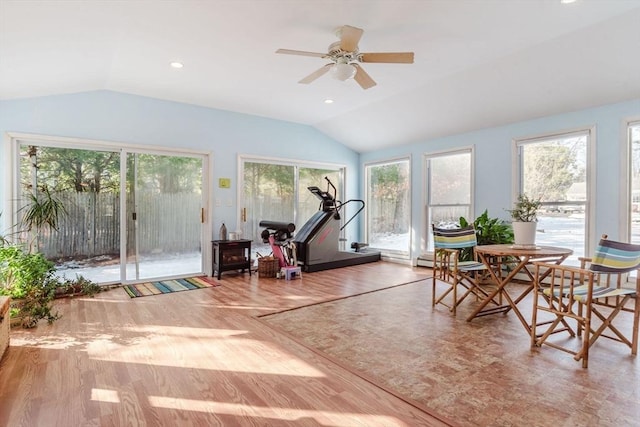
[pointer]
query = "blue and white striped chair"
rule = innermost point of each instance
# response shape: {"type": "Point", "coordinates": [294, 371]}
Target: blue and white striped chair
{"type": "Point", "coordinates": [593, 295]}
{"type": "Point", "coordinates": [450, 271]}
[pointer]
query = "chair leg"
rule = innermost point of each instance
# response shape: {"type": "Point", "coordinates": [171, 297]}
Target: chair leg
{"type": "Point", "coordinates": [607, 323]}
{"type": "Point", "coordinates": [636, 322]}
{"type": "Point", "coordinates": [433, 289]}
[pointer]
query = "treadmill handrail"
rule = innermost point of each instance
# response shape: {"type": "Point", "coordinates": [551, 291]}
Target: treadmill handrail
{"type": "Point", "coordinates": [355, 214]}
{"type": "Point", "coordinates": [335, 190]}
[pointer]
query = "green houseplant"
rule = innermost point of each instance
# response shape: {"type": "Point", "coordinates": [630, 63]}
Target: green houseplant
{"type": "Point", "coordinates": [525, 216]}
{"type": "Point", "coordinates": [489, 231]}
{"type": "Point", "coordinates": [27, 276]}
{"type": "Point", "coordinates": [29, 280]}
{"type": "Point", "coordinates": [525, 209]}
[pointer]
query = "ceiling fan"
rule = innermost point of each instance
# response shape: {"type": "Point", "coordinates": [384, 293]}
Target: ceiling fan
{"type": "Point", "coordinates": [345, 58]}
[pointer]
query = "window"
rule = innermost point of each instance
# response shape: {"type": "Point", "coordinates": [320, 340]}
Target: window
{"type": "Point", "coordinates": [449, 189]}
{"type": "Point", "coordinates": [388, 207]}
{"type": "Point", "coordinates": [555, 170]}
{"type": "Point", "coordinates": [634, 181]}
{"type": "Point", "coordinates": [277, 191]}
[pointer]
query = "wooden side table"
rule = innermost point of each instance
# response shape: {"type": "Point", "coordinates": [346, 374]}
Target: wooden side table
{"type": "Point", "coordinates": [231, 255]}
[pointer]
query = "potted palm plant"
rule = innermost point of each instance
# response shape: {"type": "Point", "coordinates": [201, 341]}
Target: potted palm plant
{"type": "Point", "coordinates": [525, 220]}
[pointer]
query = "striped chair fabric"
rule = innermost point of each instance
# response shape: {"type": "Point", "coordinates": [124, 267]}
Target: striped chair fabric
{"type": "Point", "coordinates": [455, 238]}
{"type": "Point", "coordinates": [616, 257]}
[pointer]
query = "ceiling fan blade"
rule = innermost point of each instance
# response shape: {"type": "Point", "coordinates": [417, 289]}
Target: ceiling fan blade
{"type": "Point", "coordinates": [349, 38]}
{"type": "Point", "coordinates": [319, 72]}
{"type": "Point", "coordinates": [363, 79]}
{"type": "Point", "coordinates": [390, 57]}
{"type": "Point", "coordinates": [301, 53]}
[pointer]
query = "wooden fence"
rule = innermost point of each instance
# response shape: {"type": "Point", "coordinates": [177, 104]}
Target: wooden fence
{"type": "Point", "coordinates": [91, 227]}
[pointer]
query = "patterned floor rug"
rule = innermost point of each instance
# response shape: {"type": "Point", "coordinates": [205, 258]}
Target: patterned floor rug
{"type": "Point", "coordinates": [168, 286]}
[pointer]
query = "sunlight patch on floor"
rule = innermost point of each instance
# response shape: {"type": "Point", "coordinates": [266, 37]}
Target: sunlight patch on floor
{"type": "Point", "coordinates": [298, 298]}
{"type": "Point", "coordinates": [203, 353]}
{"type": "Point", "coordinates": [245, 307]}
{"type": "Point", "coordinates": [57, 342]}
{"type": "Point", "coordinates": [184, 331]}
{"type": "Point", "coordinates": [104, 395]}
{"type": "Point", "coordinates": [325, 418]}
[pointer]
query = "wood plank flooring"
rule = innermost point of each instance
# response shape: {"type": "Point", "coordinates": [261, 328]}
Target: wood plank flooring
{"type": "Point", "coordinates": [196, 358]}
{"type": "Point", "coordinates": [358, 346]}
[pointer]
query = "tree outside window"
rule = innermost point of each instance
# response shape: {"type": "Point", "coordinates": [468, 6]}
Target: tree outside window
{"type": "Point", "coordinates": [388, 206]}
{"type": "Point", "coordinates": [554, 171]}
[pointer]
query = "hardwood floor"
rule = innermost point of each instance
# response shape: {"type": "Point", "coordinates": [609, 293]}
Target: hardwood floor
{"type": "Point", "coordinates": [200, 357]}
{"type": "Point", "coordinates": [358, 346]}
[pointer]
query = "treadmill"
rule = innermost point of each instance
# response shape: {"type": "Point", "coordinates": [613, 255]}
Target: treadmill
{"type": "Point", "coordinates": [318, 240]}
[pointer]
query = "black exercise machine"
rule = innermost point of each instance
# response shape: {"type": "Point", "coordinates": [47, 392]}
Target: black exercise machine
{"type": "Point", "coordinates": [318, 240]}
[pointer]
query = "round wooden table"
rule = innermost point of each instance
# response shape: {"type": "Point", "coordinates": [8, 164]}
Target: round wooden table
{"type": "Point", "coordinates": [495, 256]}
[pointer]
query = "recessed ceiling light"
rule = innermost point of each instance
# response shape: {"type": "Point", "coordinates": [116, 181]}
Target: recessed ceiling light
{"type": "Point", "coordinates": [176, 64]}
{"type": "Point", "coordinates": [328, 101]}
{"type": "Point", "coordinates": [567, 1]}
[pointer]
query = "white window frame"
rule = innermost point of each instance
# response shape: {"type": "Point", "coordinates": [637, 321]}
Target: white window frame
{"type": "Point", "coordinates": [590, 132]}
{"type": "Point", "coordinates": [626, 182]}
{"type": "Point", "coordinates": [387, 253]}
{"type": "Point", "coordinates": [427, 242]}
{"type": "Point", "coordinates": [14, 139]}
{"type": "Point", "coordinates": [296, 164]}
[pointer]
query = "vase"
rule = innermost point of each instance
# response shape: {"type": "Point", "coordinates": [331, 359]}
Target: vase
{"type": "Point", "coordinates": [524, 234]}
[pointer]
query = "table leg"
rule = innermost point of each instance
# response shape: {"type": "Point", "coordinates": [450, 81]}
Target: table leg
{"type": "Point", "coordinates": [501, 283]}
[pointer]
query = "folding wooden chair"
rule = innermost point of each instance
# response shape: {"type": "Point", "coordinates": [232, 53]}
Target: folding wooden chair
{"type": "Point", "coordinates": [449, 270]}
{"type": "Point", "coordinates": [593, 296]}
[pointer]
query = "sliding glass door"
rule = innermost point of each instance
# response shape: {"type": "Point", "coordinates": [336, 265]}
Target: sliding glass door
{"type": "Point", "coordinates": [125, 216]}
{"type": "Point", "coordinates": [164, 215]}
{"type": "Point", "coordinates": [277, 191]}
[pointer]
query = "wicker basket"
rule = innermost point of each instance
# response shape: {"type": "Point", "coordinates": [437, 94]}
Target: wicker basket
{"type": "Point", "coordinates": [268, 267]}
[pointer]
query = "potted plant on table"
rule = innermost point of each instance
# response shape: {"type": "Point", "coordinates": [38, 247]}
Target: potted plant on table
{"type": "Point", "coordinates": [489, 231]}
{"type": "Point", "coordinates": [525, 220]}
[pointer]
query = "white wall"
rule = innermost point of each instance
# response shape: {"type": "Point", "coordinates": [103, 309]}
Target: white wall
{"type": "Point", "coordinates": [117, 117]}
{"type": "Point", "coordinates": [494, 168]}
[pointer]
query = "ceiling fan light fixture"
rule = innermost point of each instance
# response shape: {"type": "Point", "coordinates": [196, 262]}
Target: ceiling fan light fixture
{"type": "Point", "coordinates": [343, 71]}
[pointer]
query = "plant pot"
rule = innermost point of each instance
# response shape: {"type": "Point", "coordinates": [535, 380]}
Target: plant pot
{"type": "Point", "coordinates": [524, 234]}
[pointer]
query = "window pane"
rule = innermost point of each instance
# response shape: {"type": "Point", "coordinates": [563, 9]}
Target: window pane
{"type": "Point", "coordinates": [268, 195]}
{"type": "Point", "coordinates": [449, 190]}
{"type": "Point", "coordinates": [388, 206]}
{"type": "Point", "coordinates": [308, 203]}
{"type": "Point", "coordinates": [555, 171]}
{"type": "Point", "coordinates": [87, 183]}
{"type": "Point", "coordinates": [634, 145]}
{"type": "Point", "coordinates": [163, 205]}
{"type": "Point", "coordinates": [450, 179]}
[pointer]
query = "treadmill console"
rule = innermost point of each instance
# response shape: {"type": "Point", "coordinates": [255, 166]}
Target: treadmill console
{"type": "Point", "coordinates": [328, 201]}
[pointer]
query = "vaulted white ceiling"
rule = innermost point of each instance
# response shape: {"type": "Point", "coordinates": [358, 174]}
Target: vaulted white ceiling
{"type": "Point", "coordinates": [478, 63]}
